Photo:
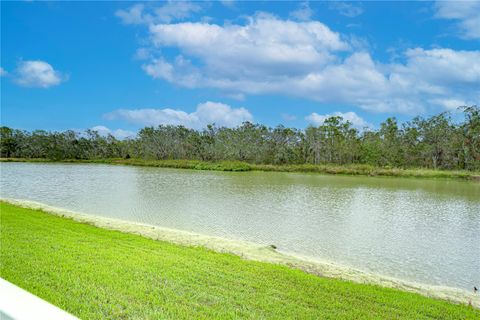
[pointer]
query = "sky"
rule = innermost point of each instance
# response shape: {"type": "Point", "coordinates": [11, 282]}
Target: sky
{"type": "Point", "coordinates": [120, 66]}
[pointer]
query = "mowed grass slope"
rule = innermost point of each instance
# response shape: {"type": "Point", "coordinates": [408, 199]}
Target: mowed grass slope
{"type": "Point", "coordinates": [98, 274]}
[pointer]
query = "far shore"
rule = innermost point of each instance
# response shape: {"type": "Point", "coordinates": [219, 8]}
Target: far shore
{"type": "Point", "coordinates": [237, 166]}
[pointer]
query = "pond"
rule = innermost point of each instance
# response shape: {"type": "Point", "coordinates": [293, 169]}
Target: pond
{"type": "Point", "coordinates": [421, 230]}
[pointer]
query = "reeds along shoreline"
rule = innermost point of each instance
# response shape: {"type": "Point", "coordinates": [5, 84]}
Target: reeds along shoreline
{"type": "Point", "coordinates": [238, 166]}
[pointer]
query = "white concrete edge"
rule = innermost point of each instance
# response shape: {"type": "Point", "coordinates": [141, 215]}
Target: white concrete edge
{"type": "Point", "coordinates": [18, 304]}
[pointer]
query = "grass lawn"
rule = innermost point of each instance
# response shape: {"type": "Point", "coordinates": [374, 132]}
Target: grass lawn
{"type": "Point", "coordinates": [95, 273]}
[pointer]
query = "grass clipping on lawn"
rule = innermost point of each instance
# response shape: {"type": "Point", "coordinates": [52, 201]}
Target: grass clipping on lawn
{"type": "Point", "coordinates": [97, 273]}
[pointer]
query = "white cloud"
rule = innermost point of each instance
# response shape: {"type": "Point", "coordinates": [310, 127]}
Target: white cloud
{"type": "Point", "coordinates": [170, 11]}
{"type": "Point", "coordinates": [435, 76]}
{"type": "Point", "coordinates": [206, 113]}
{"type": "Point", "coordinates": [3, 72]}
{"type": "Point", "coordinates": [440, 68]}
{"type": "Point", "coordinates": [143, 54]}
{"type": "Point", "coordinates": [282, 49]}
{"type": "Point", "coordinates": [268, 55]}
{"type": "Point", "coordinates": [288, 117]}
{"type": "Point", "coordinates": [303, 13]}
{"type": "Point", "coordinates": [37, 74]}
{"type": "Point", "coordinates": [466, 13]}
{"type": "Point", "coordinates": [176, 10]}
{"type": "Point", "coordinates": [235, 96]}
{"type": "Point", "coordinates": [228, 3]}
{"type": "Point", "coordinates": [356, 121]}
{"type": "Point", "coordinates": [453, 104]}
{"type": "Point", "coordinates": [346, 9]}
{"type": "Point", "coordinates": [134, 15]}
{"type": "Point", "coordinates": [264, 34]}
{"type": "Point", "coordinates": [159, 68]}
{"type": "Point", "coordinates": [118, 133]}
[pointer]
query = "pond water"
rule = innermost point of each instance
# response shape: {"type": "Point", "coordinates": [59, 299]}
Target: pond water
{"type": "Point", "coordinates": [421, 230]}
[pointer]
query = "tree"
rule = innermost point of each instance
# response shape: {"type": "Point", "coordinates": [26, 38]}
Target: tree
{"type": "Point", "coordinates": [471, 137]}
{"type": "Point", "coordinates": [390, 137]}
{"type": "Point", "coordinates": [8, 144]}
{"type": "Point", "coordinates": [435, 142]}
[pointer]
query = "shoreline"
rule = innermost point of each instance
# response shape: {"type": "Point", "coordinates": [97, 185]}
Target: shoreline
{"type": "Point", "coordinates": [237, 166]}
{"type": "Point", "coordinates": [251, 251]}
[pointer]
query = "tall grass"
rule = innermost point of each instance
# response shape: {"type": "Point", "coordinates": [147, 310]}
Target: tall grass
{"type": "Point", "coordinates": [350, 169]}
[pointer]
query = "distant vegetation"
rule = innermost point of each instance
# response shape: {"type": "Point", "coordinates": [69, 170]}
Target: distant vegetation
{"type": "Point", "coordinates": [437, 142]}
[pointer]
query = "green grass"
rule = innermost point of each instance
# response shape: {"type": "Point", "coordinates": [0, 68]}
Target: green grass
{"type": "Point", "coordinates": [352, 169]}
{"type": "Point", "coordinates": [100, 274]}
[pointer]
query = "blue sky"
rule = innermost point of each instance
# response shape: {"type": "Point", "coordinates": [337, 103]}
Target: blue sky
{"type": "Point", "coordinates": [118, 66]}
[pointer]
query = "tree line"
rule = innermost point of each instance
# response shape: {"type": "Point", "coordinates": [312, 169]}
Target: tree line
{"type": "Point", "coordinates": [435, 142]}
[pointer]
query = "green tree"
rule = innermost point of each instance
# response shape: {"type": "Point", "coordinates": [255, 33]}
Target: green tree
{"type": "Point", "coordinates": [8, 144]}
